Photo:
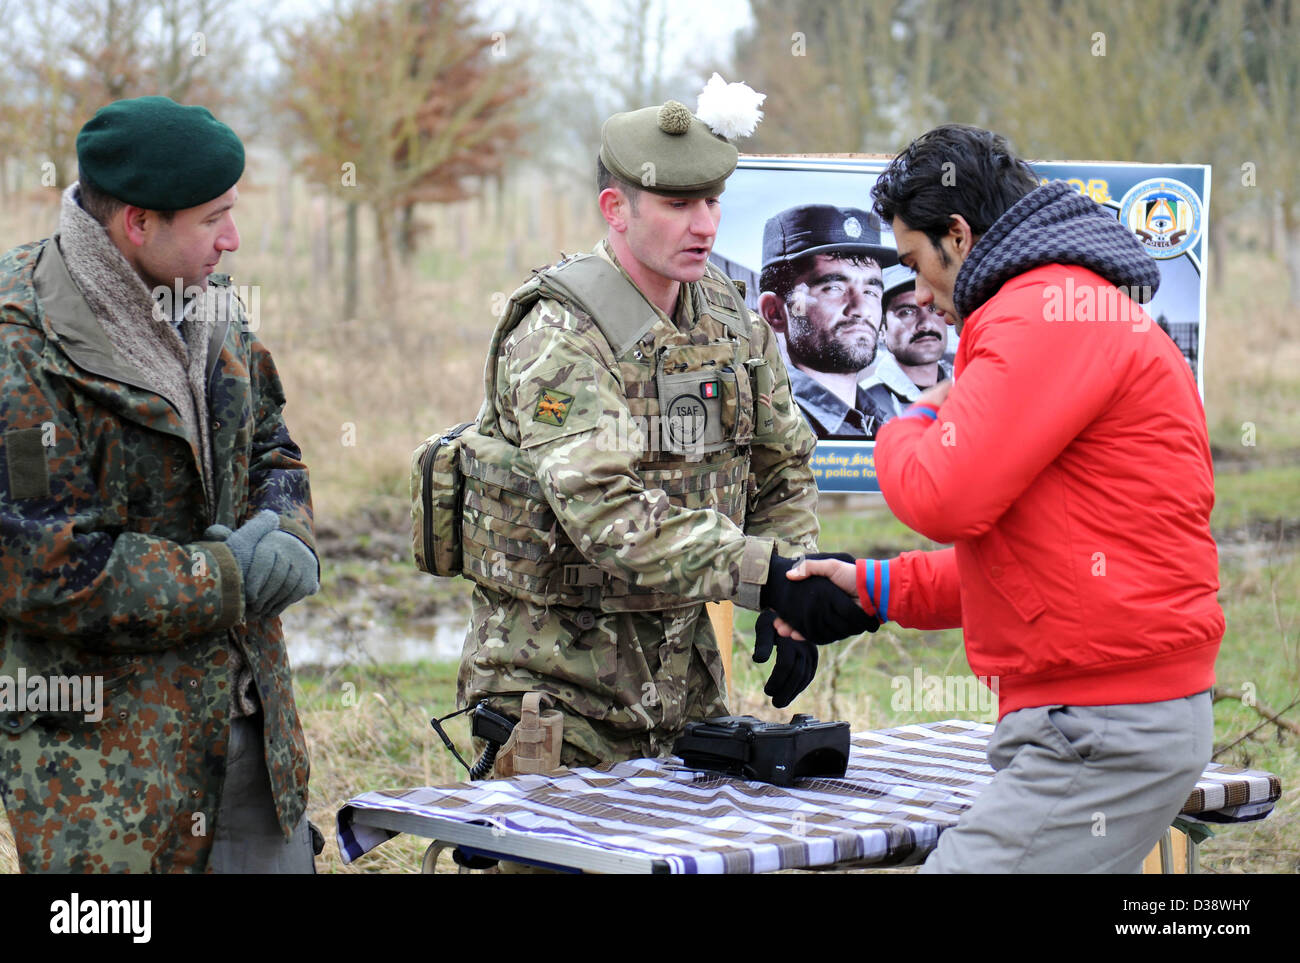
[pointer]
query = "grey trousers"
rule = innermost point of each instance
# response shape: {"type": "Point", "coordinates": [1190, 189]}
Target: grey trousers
{"type": "Point", "coordinates": [248, 837]}
{"type": "Point", "coordinates": [1081, 789]}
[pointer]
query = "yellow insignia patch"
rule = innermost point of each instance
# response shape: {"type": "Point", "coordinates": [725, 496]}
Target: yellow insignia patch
{"type": "Point", "coordinates": [553, 407]}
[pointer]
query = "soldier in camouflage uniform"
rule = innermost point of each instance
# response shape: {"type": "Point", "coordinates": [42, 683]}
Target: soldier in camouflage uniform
{"type": "Point", "coordinates": [672, 464]}
{"type": "Point", "coordinates": [155, 518]}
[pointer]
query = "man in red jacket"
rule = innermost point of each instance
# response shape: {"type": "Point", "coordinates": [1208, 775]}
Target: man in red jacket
{"type": "Point", "coordinates": [1069, 467]}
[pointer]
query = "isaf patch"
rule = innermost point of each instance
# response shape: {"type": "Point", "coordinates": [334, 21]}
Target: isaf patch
{"type": "Point", "coordinates": [553, 407]}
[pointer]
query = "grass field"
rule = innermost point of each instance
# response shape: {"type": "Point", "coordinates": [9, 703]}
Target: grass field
{"type": "Point", "coordinates": [364, 391]}
{"type": "Point", "coordinates": [368, 724]}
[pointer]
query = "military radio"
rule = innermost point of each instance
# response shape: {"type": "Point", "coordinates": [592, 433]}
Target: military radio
{"type": "Point", "coordinates": [772, 752]}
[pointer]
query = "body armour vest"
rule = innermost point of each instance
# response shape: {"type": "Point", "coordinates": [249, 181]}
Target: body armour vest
{"type": "Point", "coordinates": [695, 400]}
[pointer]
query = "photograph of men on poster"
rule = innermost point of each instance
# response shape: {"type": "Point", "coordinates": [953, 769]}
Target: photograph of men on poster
{"type": "Point", "coordinates": [915, 352]}
{"type": "Point", "coordinates": [821, 287]}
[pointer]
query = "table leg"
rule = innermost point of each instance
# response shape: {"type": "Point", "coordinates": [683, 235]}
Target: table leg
{"type": "Point", "coordinates": [1175, 854]}
{"type": "Point", "coordinates": [722, 615]}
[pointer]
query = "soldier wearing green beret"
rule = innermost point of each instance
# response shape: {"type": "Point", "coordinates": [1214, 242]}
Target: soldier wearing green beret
{"type": "Point", "coordinates": [646, 458]}
{"type": "Point", "coordinates": [155, 520]}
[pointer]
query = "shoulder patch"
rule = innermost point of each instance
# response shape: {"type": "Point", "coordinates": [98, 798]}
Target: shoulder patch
{"type": "Point", "coordinates": [553, 407]}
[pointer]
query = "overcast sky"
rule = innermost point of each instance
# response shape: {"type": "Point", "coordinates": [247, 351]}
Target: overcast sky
{"type": "Point", "coordinates": [714, 23]}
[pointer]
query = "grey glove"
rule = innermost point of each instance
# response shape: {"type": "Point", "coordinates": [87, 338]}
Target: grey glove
{"type": "Point", "coordinates": [283, 572]}
{"type": "Point", "coordinates": [242, 541]}
{"type": "Point", "coordinates": [278, 568]}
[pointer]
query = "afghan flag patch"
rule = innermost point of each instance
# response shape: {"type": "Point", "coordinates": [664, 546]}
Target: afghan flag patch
{"type": "Point", "coordinates": [553, 407]}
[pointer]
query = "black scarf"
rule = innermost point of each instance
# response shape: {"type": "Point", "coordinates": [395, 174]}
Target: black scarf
{"type": "Point", "coordinates": [1054, 225]}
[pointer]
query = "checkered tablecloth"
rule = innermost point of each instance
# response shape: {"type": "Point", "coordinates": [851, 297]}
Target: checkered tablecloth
{"type": "Point", "coordinates": [903, 787]}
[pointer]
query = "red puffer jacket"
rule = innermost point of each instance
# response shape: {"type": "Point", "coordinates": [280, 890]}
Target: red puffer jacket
{"type": "Point", "coordinates": [1070, 469]}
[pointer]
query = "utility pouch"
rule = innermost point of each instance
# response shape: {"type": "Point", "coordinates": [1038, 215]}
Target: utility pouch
{"type": "Point", "coordinates": [763, 381]}
{"type": "Point", "coordinates": [437, 491]}
{"type": "Point", "coordinates": [737, 405]}
{"type": "Point", "coordinates": [690, 385]}
{"type": "Point", "coordinates": [535, 742]}
{"type": "Point", "coordinates": [317, 839]}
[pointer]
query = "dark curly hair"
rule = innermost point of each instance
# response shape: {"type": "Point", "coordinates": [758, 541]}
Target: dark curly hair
{"type": "Point", "coordinates": [953, 169]}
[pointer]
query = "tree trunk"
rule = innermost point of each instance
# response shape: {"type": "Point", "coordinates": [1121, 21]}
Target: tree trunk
{"type": "Point", "coordinates": [406, 234]}
{"type": "Point", "coordinates": [386, 295]}
{"type": "Point", "coordinates": [1218, 256]}
{"type": "Point", "coordinates": [1293, 259]}
{"type": "Point", "coordinates": [351, 274]}
{"type": "Point", "coordinates": [559, 205]}
{"type": "Point", "coordinates": [1277, 228]}
{"type": "Point", "coordinates": [329, 236]}
{"type": "Point", "coordinates": [287, 277]}
{"type": "Point", "coordinates": [319, 237]}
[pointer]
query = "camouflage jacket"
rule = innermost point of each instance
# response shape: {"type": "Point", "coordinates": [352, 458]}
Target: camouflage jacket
{"type": "Point", "coordinates": [599, 470]}
{"type": "Point", "coordinates": [608, 477]}
{"type": "Point", "coordinates": [105, 577]}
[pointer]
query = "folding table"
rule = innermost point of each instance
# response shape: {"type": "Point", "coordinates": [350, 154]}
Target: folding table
{"type": "Point", "coordinates": [904, 786]}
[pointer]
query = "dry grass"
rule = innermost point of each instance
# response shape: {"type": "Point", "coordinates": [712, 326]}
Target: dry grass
{"type": "Point", "coordinates": [8, 852]}
{"type": "Point", "coordinates": [1252, 355]}
{"type": "Point", "coordinates": [380, 742]}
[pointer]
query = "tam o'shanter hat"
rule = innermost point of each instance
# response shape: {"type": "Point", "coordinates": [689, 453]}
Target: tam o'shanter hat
{"type": "Point", "coordinates": [668, 150]}
{"type": "Point", "coordinates": [824, 229]}
{"type": "Point", "coordinates": [154, 153]}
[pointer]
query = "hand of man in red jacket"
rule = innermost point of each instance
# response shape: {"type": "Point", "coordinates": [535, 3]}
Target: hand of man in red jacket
{"type": "Point", "coordinates": [821, 614]}
{"type": "Point", "coordinates": [936, 395]}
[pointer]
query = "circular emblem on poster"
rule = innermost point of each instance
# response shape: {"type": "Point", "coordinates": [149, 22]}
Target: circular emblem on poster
{"type": "Point", "coordinates": [853, 227]}
{"type": "Point", "coordinates": [1165, 214]}
{"type": "Point", "coordinates": [687, 418]}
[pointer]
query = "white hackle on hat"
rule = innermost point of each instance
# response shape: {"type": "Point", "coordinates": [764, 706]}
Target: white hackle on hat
{"type": "Point", "coordinates": [730, 110]}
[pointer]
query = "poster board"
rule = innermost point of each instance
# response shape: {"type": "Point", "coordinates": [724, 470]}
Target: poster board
{"type": "Point", "coordinates": [1166, 205]}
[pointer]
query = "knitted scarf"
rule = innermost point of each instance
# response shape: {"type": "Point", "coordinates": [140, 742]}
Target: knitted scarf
{"type": "Point", "coordinates": [147, 342]}
{"type": "Point", "coordinates": [163, 359]}
{"type": "Point", "coordinates": [1054, 224]}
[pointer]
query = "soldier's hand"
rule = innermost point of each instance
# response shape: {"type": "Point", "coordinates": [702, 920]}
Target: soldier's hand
{"type": "Point", "coordinates": [243, 540]}
{"type": "Point", "coordinates": [278, 568]}
{"type": "Point", "coordinates": [796, 661]}
{"type": "Point", "coordinates": [283, 571]}
{"type": "Point", "coordinates": [815, 607]}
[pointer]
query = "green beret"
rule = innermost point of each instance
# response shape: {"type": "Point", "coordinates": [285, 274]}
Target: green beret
{"type": "Point", "coordinates": [152, 152]}
{"type": "Point", "coordinates": [667, 150]}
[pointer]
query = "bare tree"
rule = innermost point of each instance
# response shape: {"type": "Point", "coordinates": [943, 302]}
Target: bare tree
{"type": "Point", "coordinates": [1264, 152]}
{"type": "Point", "coordinates": [592, 74]}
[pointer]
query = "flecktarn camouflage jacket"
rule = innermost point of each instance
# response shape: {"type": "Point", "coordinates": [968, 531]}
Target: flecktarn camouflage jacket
{"type": "Point", "coordinates": [104, 576]}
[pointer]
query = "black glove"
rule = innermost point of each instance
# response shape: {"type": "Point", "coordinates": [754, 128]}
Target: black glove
{"type": "Point", "coordinates": [816, 606]}
{"type": "Point", "coordinates": [796, 662]}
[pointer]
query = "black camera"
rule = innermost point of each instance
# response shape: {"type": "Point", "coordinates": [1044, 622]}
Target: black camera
{"type": "Point", "coordinates": [773, 752]}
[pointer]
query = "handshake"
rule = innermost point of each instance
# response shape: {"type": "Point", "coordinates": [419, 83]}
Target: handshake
{"type": "Point", "coordinates": [816, 610]}
{"type": "Point", "coordinates": [278, 568]}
